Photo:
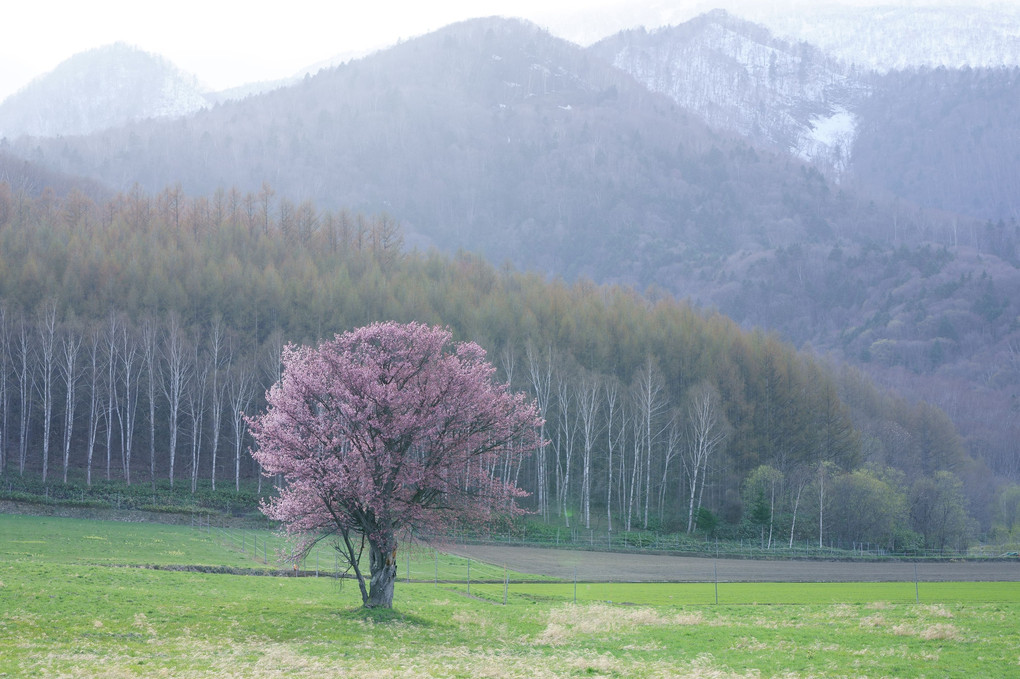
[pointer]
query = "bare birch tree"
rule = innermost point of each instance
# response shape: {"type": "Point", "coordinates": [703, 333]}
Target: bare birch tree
{"type": "Point", "coordinates": [25, 374]}
{"type": "Point", "coordinates": [566, 433]}
{"type": "Point", "coordinates": [195, 397]}
{"type": "Point", "coordinates": [127, 408]}
{"type": "Point", "coordinates": [175, 376]}
{"type": "Point", "coordinates": [5, 346]}
{"type": "Point", "coordinates": [242, 390]}
{"type": "Point", "coordinates": [540, 372]}
{"type": "Point", "coordinates": [588, 401]}
{"type": "Point", "coordinates": [112, 333]}
{"type": "Point", "coordinates": [149, 341]}
{"type": "Point", "coordinates": [674, 438]}
{"type": "Point", "coordinates": [707, 429]}
{"type": "Point", "coordinates": [650, 401]}
{"type": "Point", "coordinates": [47, 330]}
{"type": "Point", "coordinates": [94, 381]}
{"type": "Point", "coordinates": [219, 361]}
{"type": "Point", "coordinates": [613, 409]}
{"type": "Point", "coordinates": [69, 371]}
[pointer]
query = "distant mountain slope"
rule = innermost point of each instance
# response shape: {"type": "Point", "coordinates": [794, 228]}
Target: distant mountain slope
{"type": "Point", "coordinates": [873, 35]}
{"type": "Point", "coordinates": [948, 139]}
{"type": "Point", "coordinates": [98, 89]}
{"type": "Point", "coordinates": [495, 136]}
{"type": "Point", "coordinates": [33, 179]}
{"type": "Point", "coordinates": [886, 37]}
{"type": "Point", "coordinates": [738, 77]}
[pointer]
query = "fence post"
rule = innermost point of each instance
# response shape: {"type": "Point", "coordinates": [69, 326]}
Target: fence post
{"type": "Point", "coordinates": [715, 571]}
{"type": "Point", "coordinates": [469, 576]}
{"type": "Point", "coordinates": [436, 553]}
{"type": "Point", "coordinates": [917, 593]}
{"type": "Point", "coordinates": [575, 584]}
{"type": "Point", "coordinates": [506, 583]}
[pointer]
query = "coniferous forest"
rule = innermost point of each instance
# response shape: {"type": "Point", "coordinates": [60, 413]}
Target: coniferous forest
{"type": "Point", "coordinates": [136, 332]}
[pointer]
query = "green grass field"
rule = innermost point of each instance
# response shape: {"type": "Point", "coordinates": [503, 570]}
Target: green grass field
{"type": "Point", "coordinates": [71, 604]}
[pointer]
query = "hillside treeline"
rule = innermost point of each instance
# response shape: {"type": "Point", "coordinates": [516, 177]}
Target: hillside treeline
{"type": "Point", "coordinates": [135, 333]}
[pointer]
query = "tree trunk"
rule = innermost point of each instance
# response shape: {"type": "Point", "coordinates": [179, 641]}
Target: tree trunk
{"type": "Point", "coordinates": [383, 563]}
{"type": "Point", "coordinates": [796, 504]}
{"type": "Point", "coordinates": [694, 491]}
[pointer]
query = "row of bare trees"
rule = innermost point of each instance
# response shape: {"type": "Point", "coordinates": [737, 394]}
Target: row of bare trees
{"type": "Point", "coordinates": [95, 397]}
{"type": "Point", "coordinates": [640, 452]}
{"type": "Point", "coordinates": [92, 398]}
{"type": "Point", "coordinates": [102, 390]}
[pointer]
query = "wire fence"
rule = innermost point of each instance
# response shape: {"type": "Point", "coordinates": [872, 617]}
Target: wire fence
{"type": "Point", "coordinates": [508, 574]}
{"type": "Point", "coordinates": [746, 548]}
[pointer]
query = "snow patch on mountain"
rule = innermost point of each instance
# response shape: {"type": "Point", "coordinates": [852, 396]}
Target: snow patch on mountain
{"type": "Point", "coordinates": [737, 76]}
{"type": "Point", "coordinates": [829, 139]}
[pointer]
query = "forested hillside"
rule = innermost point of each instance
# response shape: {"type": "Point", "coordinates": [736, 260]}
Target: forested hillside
{"type": "Point", "coordinates": [948, 139]}
{"type": "Point", "coordinates": [135, 332]}
{"type": "Point", "coordinates": [97, 89]}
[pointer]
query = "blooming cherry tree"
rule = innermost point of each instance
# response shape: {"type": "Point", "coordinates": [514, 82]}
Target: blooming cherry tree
{"type": "Point", "coordinates": [386, 430]}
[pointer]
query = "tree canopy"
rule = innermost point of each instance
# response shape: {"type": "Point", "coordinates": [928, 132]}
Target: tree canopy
{"type": "Point", "coordinates": [385, 429]}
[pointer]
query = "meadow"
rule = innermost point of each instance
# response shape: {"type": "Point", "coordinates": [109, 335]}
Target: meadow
{"type": "Point", "coordinates": [76, 601]}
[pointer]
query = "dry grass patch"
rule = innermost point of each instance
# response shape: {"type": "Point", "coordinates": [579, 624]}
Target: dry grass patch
{"type": "Point", "coordinates": [750, 644]}
{"type": "Point", "coordinates": [570, 620]}
{"type": "Point", "coordinates": [599, 663]}
{"type": "Point", "coordinates": [938, 631]}
{"type": "Point", "coordinates": [937, 610]}
{"type": "Point", "coordinates": [842, 611]}
{"type": "Point", "coordinates": [873, 621]}
{"type": "Point", "coordinates": [142, 623]}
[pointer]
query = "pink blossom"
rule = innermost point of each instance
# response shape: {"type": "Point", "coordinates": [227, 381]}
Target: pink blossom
{"type": "Point", "coordinates": [386, 429]}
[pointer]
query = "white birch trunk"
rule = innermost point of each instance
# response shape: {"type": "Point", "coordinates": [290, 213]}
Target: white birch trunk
{"type": "Point", "coordinates": [47, 346]}
{"type": "Point", "coordinates": [69, 371]}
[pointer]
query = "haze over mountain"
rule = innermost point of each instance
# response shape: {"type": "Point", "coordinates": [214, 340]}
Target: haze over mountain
{"type": "Point", "coordinates": [887, 36]}
{"type": "Point", "coordinates": [493, 135]}
{"type": "Point", "coordinates": [101, 88]}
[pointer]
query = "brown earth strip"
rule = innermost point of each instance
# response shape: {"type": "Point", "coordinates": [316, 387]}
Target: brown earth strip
{"type": "Point", "coordinates": [622, 567]}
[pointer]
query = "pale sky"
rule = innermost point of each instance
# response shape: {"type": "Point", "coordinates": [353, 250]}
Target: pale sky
{"type": "Point", "coordinates": [228, 43]}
